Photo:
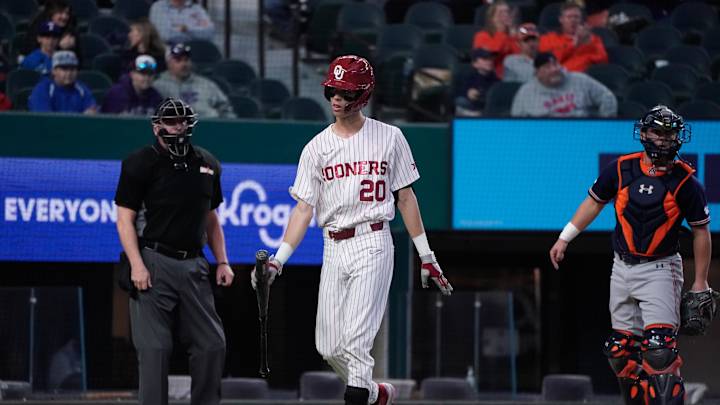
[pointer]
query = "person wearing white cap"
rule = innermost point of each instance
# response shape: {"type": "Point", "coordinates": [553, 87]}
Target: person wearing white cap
{"type": "Point", "coordinates": [134, 93]}
{"type": "Point", "coordinates": [63, 92]}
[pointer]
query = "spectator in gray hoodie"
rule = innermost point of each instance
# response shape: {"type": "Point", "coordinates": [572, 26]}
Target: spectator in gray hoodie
{"type": "Point", "coordinates": [179, 81]}
{"type": "Point", "coordinates": [557, 93]}
{"type": "Point", "coordinates": [519, 67]}
{"type": "Point", "coordinates": [181, 20]}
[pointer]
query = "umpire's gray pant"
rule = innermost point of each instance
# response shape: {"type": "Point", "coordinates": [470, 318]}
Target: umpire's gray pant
{"type": "Point", "coordinates": [180, 292]}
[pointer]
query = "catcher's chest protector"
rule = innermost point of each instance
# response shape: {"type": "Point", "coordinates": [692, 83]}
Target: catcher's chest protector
{"type": "Point", "coordinates": [648, 214]}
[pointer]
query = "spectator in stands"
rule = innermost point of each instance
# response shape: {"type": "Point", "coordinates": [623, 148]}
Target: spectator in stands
{"type": "Point", "coordinates": [181, 20]}
{"type": "Point", "coordinates": [519, 67]}
{"type": "Point", "coordinates": [41, 58]}
{"type": "Point", "coordinates": [62, 92]}
{"type": "Point", "coordinates": [143, 39]}
{"type": "Point", "coordinates": [471, 101]}
{"type": "Point", "coordinates": [576, 47]}
{"type": "Point", "coordinates": [557, 93]}
{"type": "Point", "coordinates": [179, 81]}
{"type": "Point", "coordinates": [133, 93]}
{"type": "Point", "coordinates": [57, 11]}
{"type": "Point", "coordinates": [497, 34]}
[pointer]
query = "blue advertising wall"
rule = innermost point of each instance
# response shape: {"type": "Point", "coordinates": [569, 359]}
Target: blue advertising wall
{"type": "Point", "coordinates": [530, 175]}
{"type": "Point", "coordinates": [62, 210]}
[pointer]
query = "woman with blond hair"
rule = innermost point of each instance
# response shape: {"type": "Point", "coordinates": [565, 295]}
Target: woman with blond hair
{"type": "Point", "coordinates": [498, 33]}
{"type": "Point", "coordinates": [143, 39]}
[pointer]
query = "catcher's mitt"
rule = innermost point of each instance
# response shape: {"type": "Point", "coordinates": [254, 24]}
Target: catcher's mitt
{"type": "Point", "coordinates": [697, 310]}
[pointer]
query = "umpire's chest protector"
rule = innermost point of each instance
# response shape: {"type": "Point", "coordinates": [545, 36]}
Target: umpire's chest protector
{"type": "Point", "coordinates": [646, 208]}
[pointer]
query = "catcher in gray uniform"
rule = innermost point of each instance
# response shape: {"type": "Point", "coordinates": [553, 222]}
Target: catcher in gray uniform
{"type": "Point", "coordinates": [653, 193]}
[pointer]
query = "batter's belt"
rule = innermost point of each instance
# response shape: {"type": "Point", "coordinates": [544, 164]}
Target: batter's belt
{"type": "Point", "coordinates": [343, 234]}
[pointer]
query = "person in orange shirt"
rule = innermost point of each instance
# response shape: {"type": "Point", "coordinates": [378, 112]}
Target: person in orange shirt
{"type": "Point", "coordinates": [498, 34]}
{"type": "Point", "coordinates": [576, 47]}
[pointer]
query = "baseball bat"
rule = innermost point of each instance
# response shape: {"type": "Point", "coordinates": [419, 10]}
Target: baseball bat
{"type": "Point", "coordinates": [262, 293]}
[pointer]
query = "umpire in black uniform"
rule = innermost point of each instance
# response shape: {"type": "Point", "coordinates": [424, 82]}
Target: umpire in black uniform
{"type": "Point", "coordinates": [166, 199]}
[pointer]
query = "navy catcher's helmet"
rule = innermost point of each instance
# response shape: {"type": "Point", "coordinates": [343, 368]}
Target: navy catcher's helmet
{"type": "Point", "coordinates": [171, 112]}
{"type": "Point", "coordinates": [664, 121]}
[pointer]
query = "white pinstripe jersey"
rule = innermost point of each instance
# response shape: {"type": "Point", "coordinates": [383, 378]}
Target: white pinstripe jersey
{"type": "Point", "coordinates": [350, 181]}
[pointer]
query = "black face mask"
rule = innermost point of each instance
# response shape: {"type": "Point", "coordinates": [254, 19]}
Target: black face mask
{"type": "Point", "coordinates": [347, 95]}
{"type": "Point", "coordinates": [178, 145]}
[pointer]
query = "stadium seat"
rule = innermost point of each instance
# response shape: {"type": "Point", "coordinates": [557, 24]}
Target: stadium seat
{"type": "Point", "coordinates": [109, 63]}
{"type": "Point", "coordinates": [20, 78]}
{"type": "Point", "coordinates": [630, 58]}
{"type": "Point", "coordinates": [608, 37]}
{"type": "Point", "coordinates": [693, 18]}
{"type": "Point", "coordinates": [500, 98]}
{"type": "Point", "coordinates": [432, 18]}
{"type": "Point", "coordinates": [20, 9]}
{"type": "Point", "coordinates": [398, 39]}
{"type": "Point", "coordinates": [632, 10]}
{"type": "Point", "coordinates": [682, 79]}
{"type": "Point", "coordinates": [99, 95]}
{"type": "Point", "coordinates": [708, 91]}
{"type": "Point", "coordinates": [691, 55]}
{"type": "Point", "coordinates": [360, 17]}
{"type": "Point", "coordinates": [654, 40]}
{"type": "Point", "coordinates": [358, 29]}
{"type": "Point", "coordinates": [699, 109]}
{"type": "Point", "coordinates": [238, 73]}
{"type": "Point", "coordinates": [16, 46]}
{"type": "Point", "coordinates": [650, 93]}
{"type": "Point", "coordinates": [131, 10]}
{"type": "Point", "coordinates": [460, 38]}
{"type": "Point", "coordinates": [113, 29]}
{"type": "Point", "coordinates": [223, 84]}
{"type": "Point", "coordinates": [613, 76]}
{"type": "Point", "coordinates": [567, 387]}
{"type": "Point", "coordinates": [549, 17]}
{"type": "Point", "coordinates": [630, 109]}
{"type": "Point", "coordinates": [322, 26]}
{"type": "Point", "coordinates": [433, 100]}
{"type": "Point", "coordinates": [711, 42]}
{"type": "Point", "coordinates": [84, 10]}
{"type": "Point", "coordinates": [7, 28]}
{"type": "Point", "coordinates": [90, 46]}
{"type": "Point", "coordinates": [391, 82]}
{"type": "Point", "coordinates": [244, 106]}
{"type": "Point", "coordinates": [316, 385]}
{"type": "Point", "coordinates": [272, 94]}
{"type": "Point", "coordinates": [20, 99]}
{"type": "Point", "coordinates": [204, 54]}
{"type": "Point", "coordinates": [244, 388]}
{"type": "Point", "coordinates": [444, 388]}
{"type": "Point", "coordinates": [479, 16]}
{"type": "Point", "coordinates": [95, 80]}
{"type": "Point", "coordinates": [303, 109]}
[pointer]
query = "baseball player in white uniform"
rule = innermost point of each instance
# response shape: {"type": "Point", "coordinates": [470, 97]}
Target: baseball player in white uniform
{"type": "Point", "coordinates": [352, 174]}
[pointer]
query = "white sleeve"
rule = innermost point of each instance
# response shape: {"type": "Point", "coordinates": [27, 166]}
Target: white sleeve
{"type": "Point", "coordinates": [307, 179]}
{"type": "Point", "coordinates": [403, 171]}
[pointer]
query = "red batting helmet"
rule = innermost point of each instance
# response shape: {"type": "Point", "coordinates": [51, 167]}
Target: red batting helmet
{"type": "Point", "coordinates": [352, 73]}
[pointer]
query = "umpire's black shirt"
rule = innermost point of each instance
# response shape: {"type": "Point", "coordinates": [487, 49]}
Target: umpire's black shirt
{"type": "Point", "coordinates": [172, 204]}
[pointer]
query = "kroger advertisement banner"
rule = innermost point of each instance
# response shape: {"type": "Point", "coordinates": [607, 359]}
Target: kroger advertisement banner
{"type": "Point", "coordinates": [63, 211]}
{"type": "Point", "coordinates": [530, 175]}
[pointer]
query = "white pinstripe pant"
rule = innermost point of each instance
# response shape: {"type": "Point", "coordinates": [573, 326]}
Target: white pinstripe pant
{"type": "Point", "coordinates": [354, 287]}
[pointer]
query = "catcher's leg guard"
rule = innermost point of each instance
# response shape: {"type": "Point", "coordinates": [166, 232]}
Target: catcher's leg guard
{"type": "Point", "coordinates": [623, 352]}
{"type": "Point", "coordinates": [662, 362]}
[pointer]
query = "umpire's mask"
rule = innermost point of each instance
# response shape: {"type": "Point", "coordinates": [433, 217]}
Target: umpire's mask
{"type": "Point", "coordinates": [174, 112]}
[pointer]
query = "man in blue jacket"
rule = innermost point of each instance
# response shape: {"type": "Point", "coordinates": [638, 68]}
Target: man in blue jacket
{"type": "Point", "coordinates": [62, 92]}
{"type": "Point", "coordinates": [133, 94]}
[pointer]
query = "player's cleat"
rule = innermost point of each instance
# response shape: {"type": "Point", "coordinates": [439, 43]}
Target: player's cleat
{"type": "Point", "coordinates": [386, 394]}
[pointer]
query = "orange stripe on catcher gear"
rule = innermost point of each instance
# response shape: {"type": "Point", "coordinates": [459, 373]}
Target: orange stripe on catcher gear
{"type": "Point", "coordinates": [353, 74]}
